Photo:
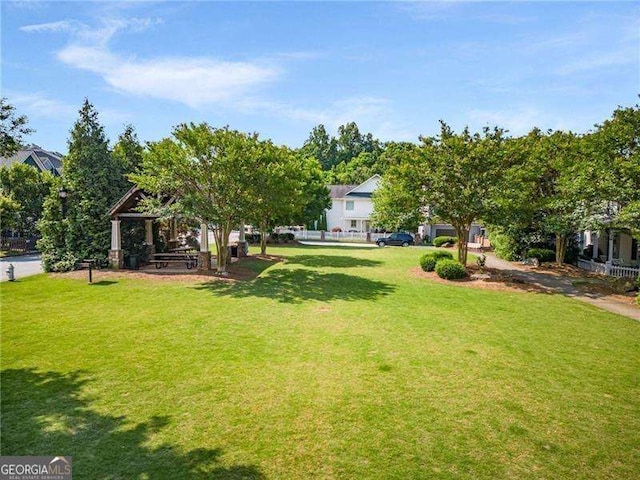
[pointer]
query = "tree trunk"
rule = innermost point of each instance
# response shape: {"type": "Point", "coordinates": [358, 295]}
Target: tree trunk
{"type": "Point", "coordinates": [222, 244]}
{"type": "Point", "coordinates": [462, 233]}
{"type": "Point", "coordinates": [263, 238]}
{"type": "Point", "coordinates": [561, 248]}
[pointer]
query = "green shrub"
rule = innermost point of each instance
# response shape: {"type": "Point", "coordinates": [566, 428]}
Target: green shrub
{"type": "Point", "coordinates": [67, 263]}
{"type": "Point", "coordinates": [638, 282]}
{"type": "Point", "coordinates": [542, 254]}
{"type": "Point", "coordinates": [442, 240]}
{"type": "Point", "coordinates": [450, 269]}
{"type": "Point", "coordinates": [429, 260]}
{"type": "Point", "coordinates": [504, 246]}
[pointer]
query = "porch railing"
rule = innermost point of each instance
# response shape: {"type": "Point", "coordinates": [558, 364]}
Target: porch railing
{"type": "Point", "coordinates": [609, 269]}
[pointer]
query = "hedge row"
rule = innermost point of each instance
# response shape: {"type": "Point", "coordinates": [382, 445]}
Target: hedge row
{"type": "Point", "coordinates": [542, 254]}
{"type": "Point", "coordinates": [442, 240]}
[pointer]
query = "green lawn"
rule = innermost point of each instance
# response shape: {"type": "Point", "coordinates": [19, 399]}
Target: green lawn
{"type": "Point", "coordinates": [336, 363]}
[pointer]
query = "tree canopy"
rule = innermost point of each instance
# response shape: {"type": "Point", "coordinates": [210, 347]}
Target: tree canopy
{"type": "Point", "coordinates": [12, 128]}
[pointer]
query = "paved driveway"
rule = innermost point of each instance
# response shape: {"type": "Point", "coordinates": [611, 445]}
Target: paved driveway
{"type": "Point", "coordinates": [25, 265]}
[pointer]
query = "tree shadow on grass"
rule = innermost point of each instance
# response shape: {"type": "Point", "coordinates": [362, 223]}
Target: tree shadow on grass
{"type": "Point", "coordinates": [298, 285]}
{"type": "Point", "coordinates": [336, 261]}
{"type": "Point", "coordinates": [46, 414]}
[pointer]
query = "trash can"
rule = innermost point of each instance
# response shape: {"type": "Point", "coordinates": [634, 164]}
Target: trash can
{"type": "Point", "coordinates": [133, 262]}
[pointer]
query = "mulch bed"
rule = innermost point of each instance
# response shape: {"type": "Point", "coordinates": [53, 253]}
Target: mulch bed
{"type": "Point", "coordinates": [499, 280]}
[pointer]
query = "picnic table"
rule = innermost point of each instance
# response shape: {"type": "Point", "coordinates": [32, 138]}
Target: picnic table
{"type": "Point", "coordinates": [162, 260]}
{"type": "Point", "coordinates": [185, 249]}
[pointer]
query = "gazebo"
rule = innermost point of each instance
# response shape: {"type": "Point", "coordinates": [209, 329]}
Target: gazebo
{"type": "Point", "coordinates": [127, 209]}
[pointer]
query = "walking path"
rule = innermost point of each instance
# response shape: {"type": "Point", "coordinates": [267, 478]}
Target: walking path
{"type": "Point", "coordinates": [563, 285]}
{"type": "Point", "coordinates": [25, 265]}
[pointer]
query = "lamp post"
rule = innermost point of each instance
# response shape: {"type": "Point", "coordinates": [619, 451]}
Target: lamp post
{"type": "Point", "coordinates": [62, 193]}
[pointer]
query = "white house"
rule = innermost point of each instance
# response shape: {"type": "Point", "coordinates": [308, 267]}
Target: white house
{"type": "Point", "coordinates": [612, 251]}
{"type": "Point", "coordinates": [351, 206]}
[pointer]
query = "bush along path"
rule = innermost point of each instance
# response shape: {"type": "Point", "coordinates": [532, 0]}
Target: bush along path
{"type": "Point", "coordinates": [563, 285]}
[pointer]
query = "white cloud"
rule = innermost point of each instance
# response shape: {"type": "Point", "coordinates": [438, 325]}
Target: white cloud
{"type": "Point", "coordinates": [196, 82]}
{"type": "Point", "coordinates": [372, 114]}
{"type": "Point", "coordinates": [38, 105]}
{"type": "Point", "coordinates": [55, 27]}
{"type": "Point", "coordinates": [600, 61]}
{"type": "Point", "coordinates": [518, 121]}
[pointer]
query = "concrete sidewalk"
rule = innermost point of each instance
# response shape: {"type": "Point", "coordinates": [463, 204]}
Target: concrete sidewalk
{"type": "Point", "coordinates": [25, 265]}
{"type": "Point", "coordinates": [562, 285]}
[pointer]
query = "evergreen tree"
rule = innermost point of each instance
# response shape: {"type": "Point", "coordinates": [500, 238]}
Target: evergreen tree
{"type": "Point", "coordinates": [127, 156]}
{"type": "Point", "coordinates": [92, 179]}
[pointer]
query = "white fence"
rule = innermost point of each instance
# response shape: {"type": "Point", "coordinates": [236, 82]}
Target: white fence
{"type": "Point", "coordinates": [357, 237]}
{"type": "Point", "coordinates": [609, 269]}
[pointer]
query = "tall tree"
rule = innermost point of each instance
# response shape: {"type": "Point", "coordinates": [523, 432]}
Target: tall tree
{"type": "Point", "coordinates": [12, 128]}
{"type": "Point", "coordinates": [277, 195]}
{"type": "Point", "coordinates": [321, 146]}
{"type": "Point", "coordinates": [350, 142]}
{"type": "Point", "coordinates": [127, 155]}
{"type": "Point", "coordinates": [451, 179]}
{"type": "Point", "coordinates": [208, 171]}
{"type": "Point", "coordinates": [28, 187]}
{"type": "Point", "coordinates": [89, 177]}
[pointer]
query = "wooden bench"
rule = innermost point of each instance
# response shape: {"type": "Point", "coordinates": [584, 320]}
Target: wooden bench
{"type": "Point", "coordinates": [162, 260]}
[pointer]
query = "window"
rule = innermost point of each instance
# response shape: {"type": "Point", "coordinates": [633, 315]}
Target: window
{"type": "Point", "coordinates": [354, 224]}
{"type": "Point", "coordinates": [349, 205]}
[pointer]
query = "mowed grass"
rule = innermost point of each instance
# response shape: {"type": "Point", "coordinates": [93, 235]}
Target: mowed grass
{"type": "Point", "coordinates": [335, 363]}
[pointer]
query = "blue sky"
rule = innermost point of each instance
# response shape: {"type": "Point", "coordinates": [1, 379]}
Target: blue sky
{"type": "Point", "coordinates": [280, 68]}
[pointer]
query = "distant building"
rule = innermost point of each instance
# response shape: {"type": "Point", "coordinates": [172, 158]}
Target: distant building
{"type": "Point", "coordinates": [352, 206]}
{"type": "Point", "coordinates": [33, 155]}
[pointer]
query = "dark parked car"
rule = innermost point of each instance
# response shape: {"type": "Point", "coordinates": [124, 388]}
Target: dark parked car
{"type": "Point", "coordinates": [403, 239]}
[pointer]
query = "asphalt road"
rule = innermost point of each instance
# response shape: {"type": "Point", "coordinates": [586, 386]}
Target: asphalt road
{"type": "Point", "coordinates": [25, 265]}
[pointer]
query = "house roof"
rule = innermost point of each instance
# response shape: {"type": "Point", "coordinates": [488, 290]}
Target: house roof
{"type": "Point", "coordinates": [339, 191]}
{"type": "Point", "coordinates": [44, 160]}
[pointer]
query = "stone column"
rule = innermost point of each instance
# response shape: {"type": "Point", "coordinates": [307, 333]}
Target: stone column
{"type": "Point", "coordinates": [174, 230]}
{"type": "Point", "coordinates": [204, 257]}
{"type": "Point", "coordinates": [242, 244]}
{"type": "Point", "coordinates": [595, 241]}
{"type": "Point", "coordinates": [116, 255]}
{"type": "Point", "coordinates": [148, 230]}
{"type": "Point", "coordinates": [610, 252]}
